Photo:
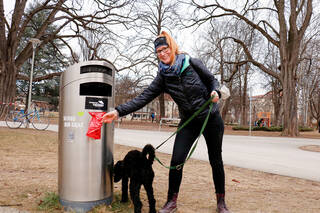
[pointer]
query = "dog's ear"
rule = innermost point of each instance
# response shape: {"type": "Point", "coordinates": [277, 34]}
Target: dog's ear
{"type": "Point", "coordinates": [118, 170]}
{"type": "Point", "coordinates": [121, 165]}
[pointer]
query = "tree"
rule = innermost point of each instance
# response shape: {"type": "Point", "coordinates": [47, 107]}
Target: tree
{"type": "Point", "coordinates": [69, 19]}
{"type": "Point", "coordinates": [126, 89]}
{"type": "Point", "coordinates": [315, 105]}
{"type": "Point", "coordinates": [135, 47]}
{"type": "Point", "coordinates": [285, 29]}
{"type": "Point", "coordinates": [309, 82]}
{"type": "Point", "coordinates": [152, 17]}
{"type": "Point", "coordinates": [47, 61]}
{"type": "Point", "coordinates": [224, 58]}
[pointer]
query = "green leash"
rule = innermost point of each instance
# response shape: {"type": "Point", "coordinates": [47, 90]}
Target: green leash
{"type": "Point", "coordinates": [182, 126]}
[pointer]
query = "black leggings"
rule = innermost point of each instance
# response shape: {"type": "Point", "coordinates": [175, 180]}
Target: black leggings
{"type": "Point", "coordinates": [213, 134]}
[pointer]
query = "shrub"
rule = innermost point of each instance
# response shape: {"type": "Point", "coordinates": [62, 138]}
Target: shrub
{"type": "Point", "coordinates": [240, 128]}
{"type": "Point", "coordinates": [231, 124]}
{"type": "Point", "coordinates": [262, 128]}
{"type": "Point", "coordinates": [275, 128]}
{"type": "Point", "coordinates": [269, 129]}
{"type": "Point", "coordinates": [305, 129]}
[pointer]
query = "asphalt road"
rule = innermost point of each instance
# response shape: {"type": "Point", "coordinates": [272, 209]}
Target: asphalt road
{"type": "Point", "coordinates": [277, 155]}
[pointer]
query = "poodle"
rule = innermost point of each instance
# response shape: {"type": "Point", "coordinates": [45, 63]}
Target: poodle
{"type": "Point", "coordinates": [137, 166]}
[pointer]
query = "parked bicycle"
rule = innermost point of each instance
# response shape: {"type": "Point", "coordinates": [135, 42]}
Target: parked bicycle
{"type": "Point", "coordinates": [15, 119]}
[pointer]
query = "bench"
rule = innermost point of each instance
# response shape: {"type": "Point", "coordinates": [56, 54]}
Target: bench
{"type": "Point", "coordinates": [170, 121]}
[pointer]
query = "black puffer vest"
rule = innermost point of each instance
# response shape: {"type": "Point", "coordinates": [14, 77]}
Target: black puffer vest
{"type": "Point", "coordinates": [190, 90]}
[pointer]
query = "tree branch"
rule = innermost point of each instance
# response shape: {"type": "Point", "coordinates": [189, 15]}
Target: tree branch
{"type": "Point", "coordinates": [37, 79]}
{"type": "Point", "coordinates": [254, 62]}
{"type": "Point", "coordinates": [230, 12]}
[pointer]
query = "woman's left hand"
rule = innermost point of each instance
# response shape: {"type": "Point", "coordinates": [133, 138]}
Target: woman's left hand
{"type": "Point", "coordinates": [215, 96]}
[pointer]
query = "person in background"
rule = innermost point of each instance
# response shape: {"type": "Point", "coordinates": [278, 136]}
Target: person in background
{"type": "Point", "coordinates": [152, 117]}
{"type": "Point", "coordinates": [190, 85]}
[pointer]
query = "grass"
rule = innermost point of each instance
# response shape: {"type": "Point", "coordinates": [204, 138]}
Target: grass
{"type": "Point", "coordinates": [116, 206]}
{"type": "Point", "coordinates": [50, 202]}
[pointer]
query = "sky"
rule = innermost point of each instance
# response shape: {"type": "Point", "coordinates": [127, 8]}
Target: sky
{"type": "Point", "coordinates": [186, 39]}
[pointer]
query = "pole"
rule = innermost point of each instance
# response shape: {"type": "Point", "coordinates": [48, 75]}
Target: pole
{"type": "Point", "coordinates": [306, 114]}
{"type": "Point", "coordinates": [35, 43]}
{"type": "Point", "coordinates": [31, 78]}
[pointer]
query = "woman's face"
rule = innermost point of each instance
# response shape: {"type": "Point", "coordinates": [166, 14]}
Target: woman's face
{"type": "Point", "coordinates": [163, 53]}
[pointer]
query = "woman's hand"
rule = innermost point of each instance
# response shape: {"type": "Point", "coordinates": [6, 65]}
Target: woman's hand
{"type": "Point", "coordinates": [110, 116]}
{"type": "Point", "coordinates": [215, 96]}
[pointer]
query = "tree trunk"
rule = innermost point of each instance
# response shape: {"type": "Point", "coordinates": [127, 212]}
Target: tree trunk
{"type": "Point", "coordinates": [239, 107]}
{"type": "Point", "coordinates": [277, 114]}
{"type": "Point", "coordinates": [162, 106]}
{"type": "Point", "coordinates": [289, 46]}
{"type": "Point", "coordinates": [237, 112]}
{"type": "Point", "coordinates": [244, 111]}
{"type": "Point", "coordinates": [277, 101]}
{"type": "Point", "coordinates": [290, 122]}
{"type": "Point", "coordinates": [7, 87]}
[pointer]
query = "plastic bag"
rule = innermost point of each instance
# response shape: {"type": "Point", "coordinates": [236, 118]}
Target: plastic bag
{"type": "Point", "coordinates": [94, 128]}
{"type": "Point", "coordinates": [225, 92]}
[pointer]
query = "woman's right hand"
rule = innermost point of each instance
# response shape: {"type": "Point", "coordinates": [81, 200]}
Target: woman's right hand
{"type": "Point", "coordinates": [110, 116]}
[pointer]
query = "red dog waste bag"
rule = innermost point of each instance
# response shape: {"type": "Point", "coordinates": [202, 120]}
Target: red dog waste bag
{"type": "Point", "coordinates": [94, 129]}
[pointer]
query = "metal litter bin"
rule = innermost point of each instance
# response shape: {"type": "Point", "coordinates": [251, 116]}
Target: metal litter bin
{"type": "Point", "coordinates": [85, 164]}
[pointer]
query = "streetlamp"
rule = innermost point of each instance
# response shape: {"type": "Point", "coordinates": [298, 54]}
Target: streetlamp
{"type": "Point", "coordinates": [35, 42]}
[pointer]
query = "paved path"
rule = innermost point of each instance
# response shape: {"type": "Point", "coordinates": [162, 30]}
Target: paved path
{"type": "Point", "coordinates": [277, 155]}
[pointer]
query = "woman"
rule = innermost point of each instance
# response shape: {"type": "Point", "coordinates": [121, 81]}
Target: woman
{"type": "Point", "coordinates": [190, 84]}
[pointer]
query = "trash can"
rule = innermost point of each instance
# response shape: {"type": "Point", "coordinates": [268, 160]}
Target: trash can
{"type": "Point", "coordinates": [85, 164]}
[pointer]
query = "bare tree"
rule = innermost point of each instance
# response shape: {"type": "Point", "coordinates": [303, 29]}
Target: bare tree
{"type": "Point", "coordinates": [285, 29]}
{"type": "Point", "coordinates": [111, 46]}
{"type": "Point", "coordinates": [213, 50]}
{"type": "Point", "coordinates": [271, 60]}
{"type": "Point", "coordinates": [309, 78]}
{"type": "Point", "coordinates": [309, 81]}
{"type": "Point", "coordinates": [126, 88]}
{"type": "Point", "coordinates": [225, 59]}
{"type": "Point", "coordinates": [69, 20]}
{"type": "Point", "coordinates": [95, 41]}
{"type": "Point", "coordinates": [315, 105]}
{"type": "Point", "coordinates": [152, 17]}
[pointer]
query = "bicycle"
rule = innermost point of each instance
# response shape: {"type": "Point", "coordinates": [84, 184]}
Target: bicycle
{"type": "Point", "coordinates": [15, 119]}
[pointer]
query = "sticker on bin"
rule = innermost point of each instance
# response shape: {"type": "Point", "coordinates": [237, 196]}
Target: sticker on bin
{"type": "Point", "coordinates": [96, 103]}
{"type": "Point", "coordinates": [70, 121]}
{"type": "Point", "coordinates": [70, 137]}
{"type": "Point", "coordinates": [94, 128]}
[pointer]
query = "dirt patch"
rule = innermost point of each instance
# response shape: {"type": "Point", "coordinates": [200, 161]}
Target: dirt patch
{"type": "Point", "coordinates": [29, 161]}
{"type": "Point", "coordinates": [311, 148]}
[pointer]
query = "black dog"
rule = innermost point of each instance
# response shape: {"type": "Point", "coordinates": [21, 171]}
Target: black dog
{"type": "Point", "coordinates": [138, 167]}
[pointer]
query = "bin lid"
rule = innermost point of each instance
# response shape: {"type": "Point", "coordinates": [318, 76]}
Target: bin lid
{"type": "Point", "coordinates": [86, 70]}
